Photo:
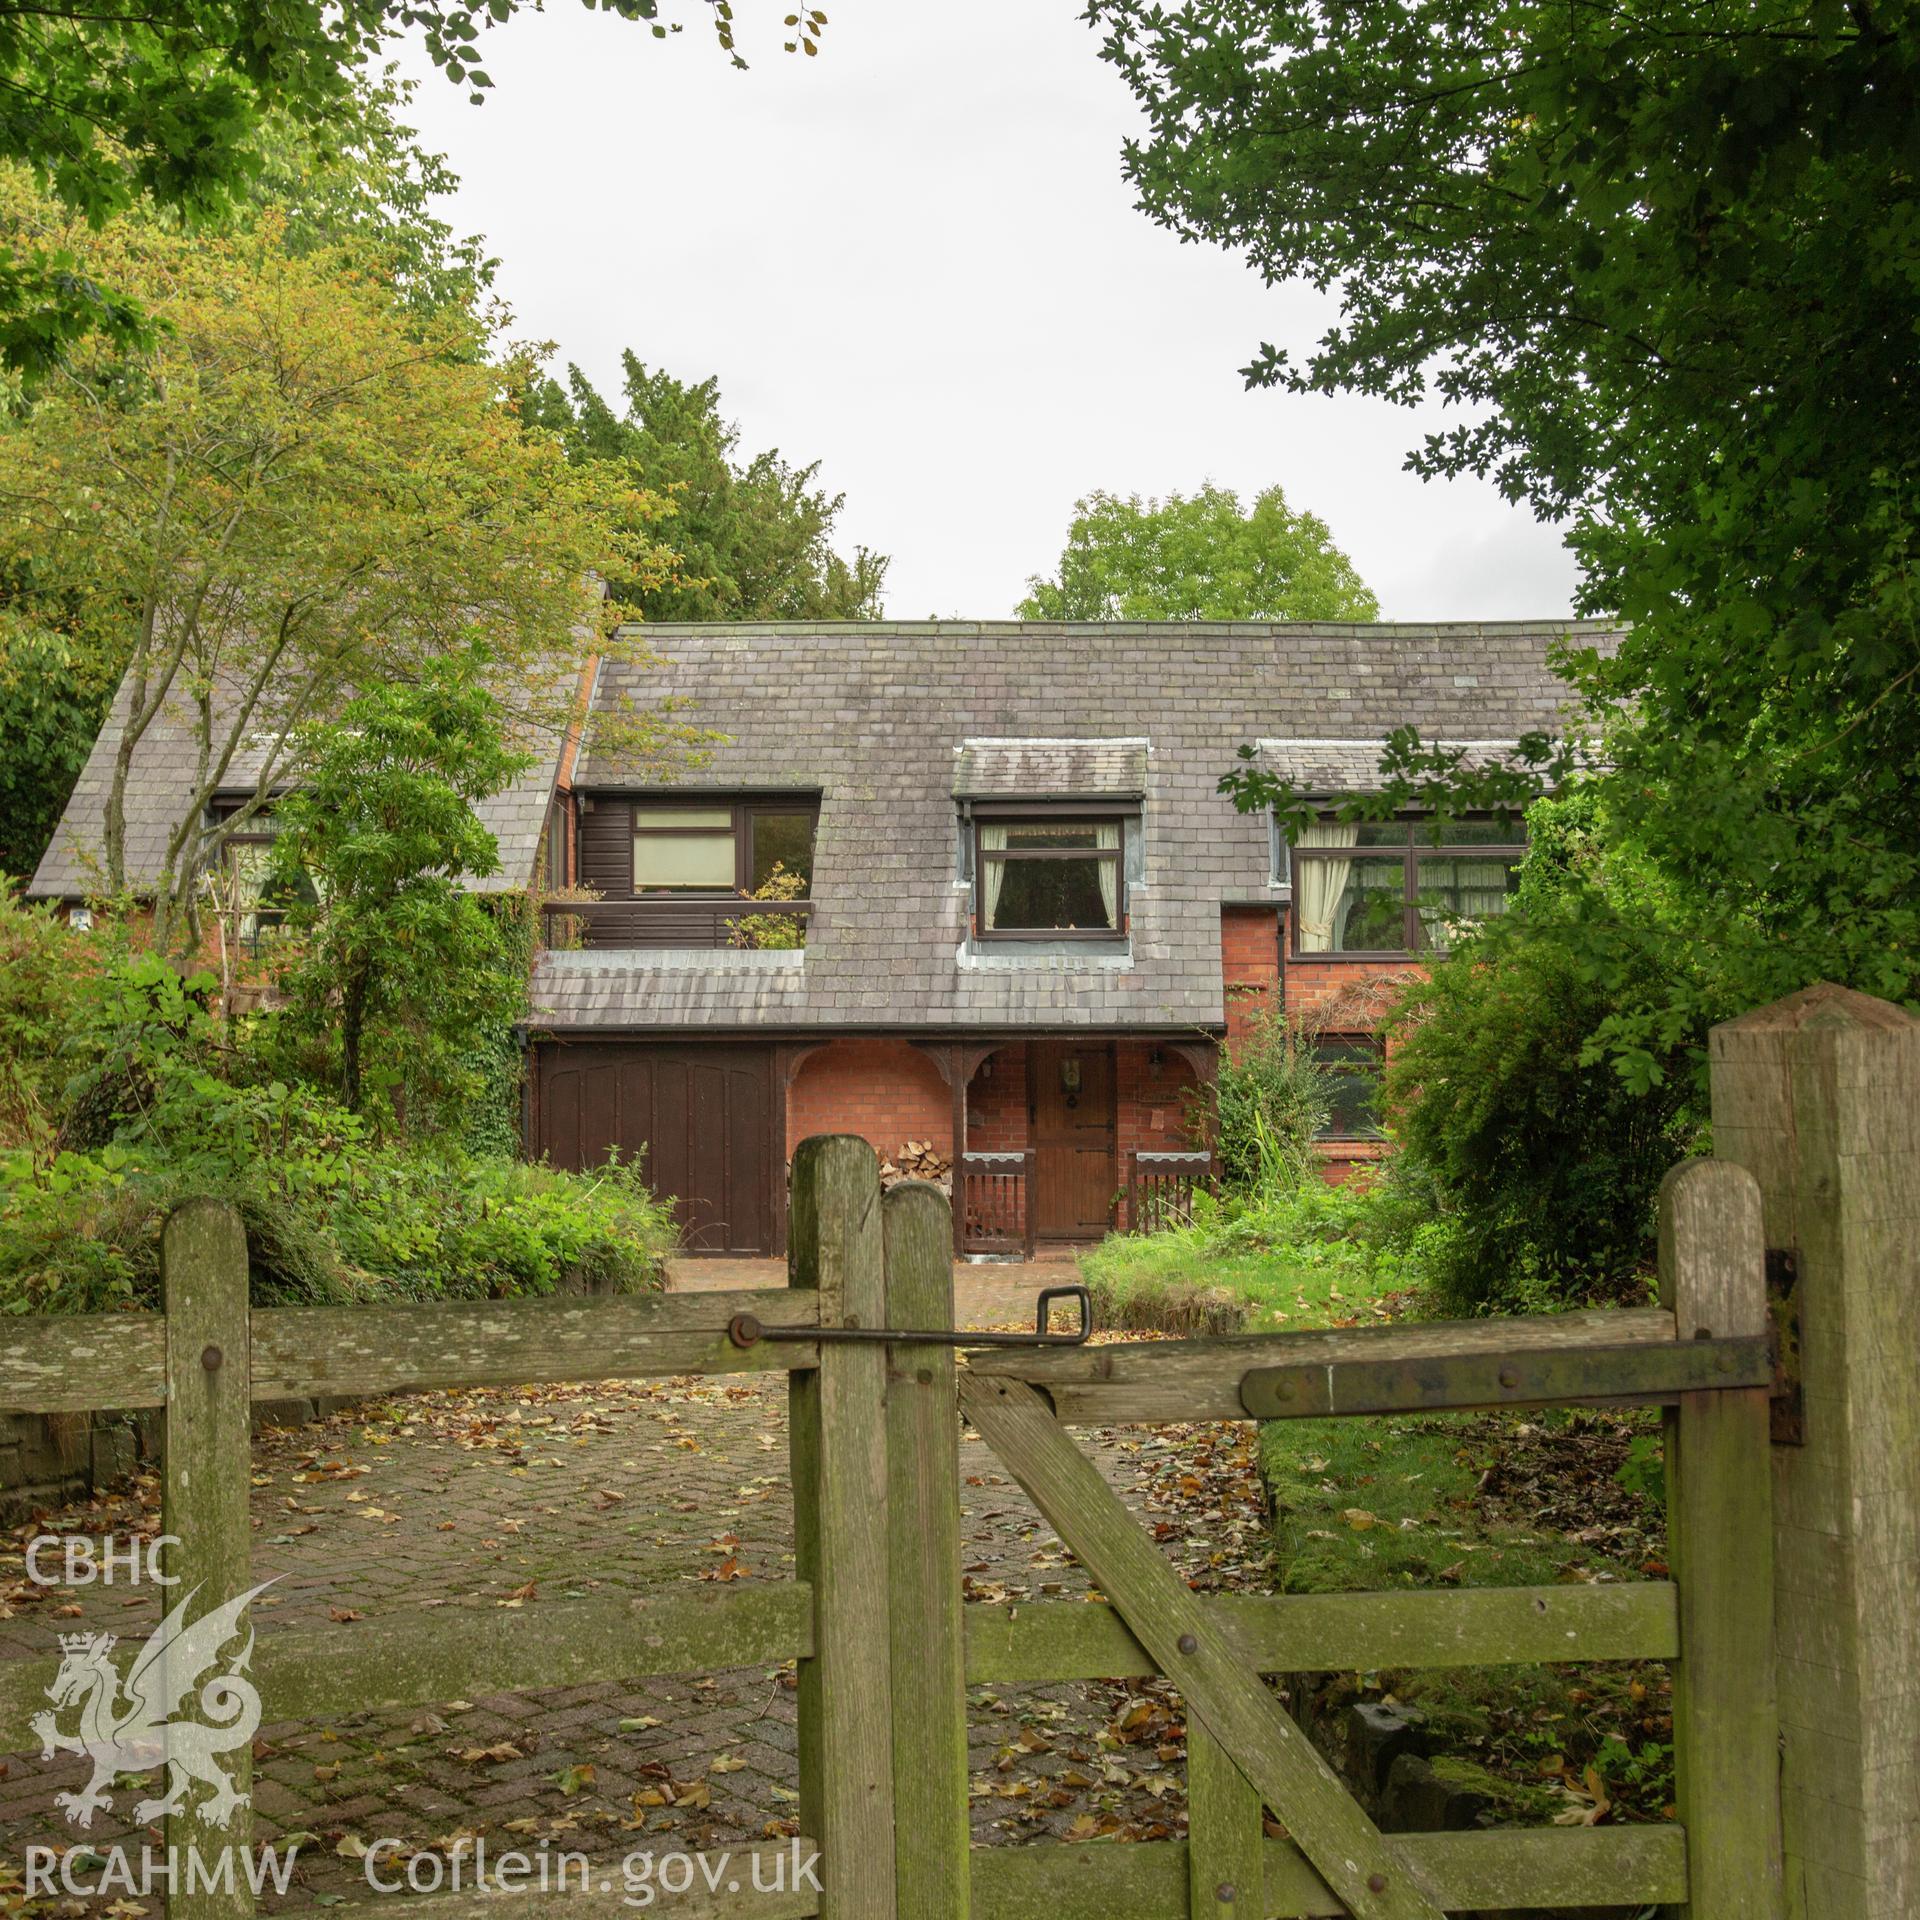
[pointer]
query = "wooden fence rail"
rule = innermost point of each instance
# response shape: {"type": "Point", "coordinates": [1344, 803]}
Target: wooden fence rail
{"type": "Point", "coordinates": [207, 1357]}
{"type": "Point", "coordinates": [996, 1202]}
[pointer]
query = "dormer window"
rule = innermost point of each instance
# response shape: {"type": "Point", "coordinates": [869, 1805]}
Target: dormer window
{"type": "Point", "coordinates": [719, 849]}
{"type": "Point", "coordinates": [685, 849]}
{"type": "Point", "coordinates": [699, 870]}
{"type": "Point", "coordinates": [1039, 875]}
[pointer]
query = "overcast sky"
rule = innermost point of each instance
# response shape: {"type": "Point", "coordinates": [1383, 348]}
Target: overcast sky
{"type": "Point", "coordinates": [915, 259]}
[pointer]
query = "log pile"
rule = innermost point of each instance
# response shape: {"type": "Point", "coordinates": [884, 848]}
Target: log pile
{"type": "Point", "coordinates": [917, 1160]}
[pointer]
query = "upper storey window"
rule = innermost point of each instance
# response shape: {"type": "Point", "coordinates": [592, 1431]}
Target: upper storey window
{"type": "Point", "coordinates": [1388, 888]}
{"type": "Point", "coordinates": [705, 870]}
{"type": "Point", "coordinates": [1045, 874]}
{"type": "Point", "coordinates": [730, 848]}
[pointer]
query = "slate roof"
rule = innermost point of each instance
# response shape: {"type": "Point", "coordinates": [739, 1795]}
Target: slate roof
{"type": "Point", "coordinates": [161, 784]}
{"type": "Point", "coordinates": [1325, 768]}
{"type": "Point", "coordinates": [1050, 769]}
{"type": "Point", "coordinates": [887, 721]}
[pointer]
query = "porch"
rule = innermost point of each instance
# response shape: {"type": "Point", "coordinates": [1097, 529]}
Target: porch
{"type": "Point", "coordinates": [1053, 1140]}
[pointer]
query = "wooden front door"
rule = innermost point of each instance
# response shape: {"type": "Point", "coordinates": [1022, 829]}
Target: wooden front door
{"type": "Point", "coordinates": [1070, 1094]}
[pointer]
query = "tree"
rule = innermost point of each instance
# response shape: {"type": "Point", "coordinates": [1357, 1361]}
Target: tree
{"type": "Point", "coordinates": [753, 541]}
{"type": "Point", "coordinates": [393, 956]}
{"type": "Point", "coordinates": [49, 714]}
{"type": "Point", "coordinates": [1665, 264]}
{"type": "Point", "coordinates": [366, 188]}
{"type": "Point", "coordinates": [368, 191]}
{"type": "Point", "coordinates": [115, 102]}
{"type": "Point", "coordinates": [1198, 557]}
{"type": "Point", "coordinates": [300, 488]}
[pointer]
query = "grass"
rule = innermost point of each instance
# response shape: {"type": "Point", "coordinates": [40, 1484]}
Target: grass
{"type": "Point", "coordinates": [1373, 1505]}
{"type": "Point", "coordinates": [1296, 1258]}
{"type": "Point", "coordinates": [1395, 1503]}
{"type": "Point", "coordinates": [1428, 1501]}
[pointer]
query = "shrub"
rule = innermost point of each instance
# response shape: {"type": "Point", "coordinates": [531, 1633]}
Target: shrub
{"type": "Point", "coordinates": [1538, 1160]}
{"type": "Point", "coordinates": [1271, 1097]}
{"type": "Point", "coordinates": [772, 930]}
{"type": "Point", "coordinates": [336, 1222]}
{"type": "Point", "coordinates": [46, 970]}
{"type": "Point", "coordinates": [160, 1106]}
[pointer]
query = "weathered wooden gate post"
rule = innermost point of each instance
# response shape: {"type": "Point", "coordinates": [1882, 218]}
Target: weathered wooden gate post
{"type": "Point", "coordinates": [1719, 1521]}
{"type": "Point", "coordinates": [207, 1472]}
{"type": "Point", "coordinates": [837, 1424]}
{"type": "Point", "coordinates": [1819, 1097]}
{"type": "Point", "coordinates": [932, 1830]}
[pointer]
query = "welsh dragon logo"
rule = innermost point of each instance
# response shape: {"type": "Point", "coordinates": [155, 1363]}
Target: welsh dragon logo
{"type": "Point", "coordinates": [127, 1722]}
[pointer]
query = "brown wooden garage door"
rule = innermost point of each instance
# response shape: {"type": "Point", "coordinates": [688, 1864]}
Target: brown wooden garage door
{"type": "Point", "coordinates": [700, 1115]}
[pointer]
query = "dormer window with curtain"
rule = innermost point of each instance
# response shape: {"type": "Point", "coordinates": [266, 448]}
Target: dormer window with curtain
{"type": "Point", "coordinates": [1050, 835]}
{"type": "Point", "coordinates": [1390, 889]}
{"type": "Point", "coordinates": [1043, 875]}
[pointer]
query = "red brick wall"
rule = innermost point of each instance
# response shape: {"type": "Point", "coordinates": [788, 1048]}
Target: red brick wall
{"type": "Point", "coordinates": [1152, 1101]}
{"type": "Point", "coordinates": [1342, 996]}
{"type": "Point", "coordinates": [1152, 1109]}
{"type": "Point", "coordinates": [1334, 996]}
{"type": "Point", "coordinates": [1249, 964]}
{"type": "Point", "coordinates": [889, 1092]}
{"type": "Point", "coordinates": [997, 1103]}
{"type": "Point", "coordinates": [886, 1091]}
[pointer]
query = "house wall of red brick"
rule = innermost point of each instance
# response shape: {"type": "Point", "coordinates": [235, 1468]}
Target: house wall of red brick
{"type": "Point", "coordinates": [1249, 965]}
{"type": "Point", "coordinates": [1344, 997]}
{"type": "Point", "coordinates": [997, 1102]}
{"type": "Point", "coordinates": [1152, 1086]}
{"type": "Point", "coordinates": [887, 1091]}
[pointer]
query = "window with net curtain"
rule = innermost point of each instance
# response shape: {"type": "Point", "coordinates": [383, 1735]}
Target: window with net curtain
{"type": "Point", "coordinates": [1056, 875]}
{"type": "Point", "coordinates": [1391, 887]}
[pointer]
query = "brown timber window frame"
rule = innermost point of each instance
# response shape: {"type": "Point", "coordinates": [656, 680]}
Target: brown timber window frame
{"type": "Point", "coordinates": [1388, 890]}
{"type": "Point", "coordinates": [257, 912]}
{"type": "Point", "coordinates": [1354, 1062]}
{"type": "Point", "coordinates": [1011, 841]}
{"type": "Point", "coordinates": [681, 822]}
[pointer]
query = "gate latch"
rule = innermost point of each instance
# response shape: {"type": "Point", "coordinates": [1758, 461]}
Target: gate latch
{"type": "Point", "coordinates": [746, 1330]}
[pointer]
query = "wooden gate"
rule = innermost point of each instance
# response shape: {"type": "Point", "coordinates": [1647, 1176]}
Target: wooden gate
{"type": "Point", "coordinates": [874, 1618]}
{"type": "Point", "coordinates": [1703, 1353]}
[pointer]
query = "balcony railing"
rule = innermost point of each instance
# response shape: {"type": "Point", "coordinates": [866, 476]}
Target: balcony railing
{"type": "Point", "coordinates": [1161, 1186]}
{"type": "Point", "coordinates": [996, 1211]}
{"type": "Point", "coordinates": [606, 924]}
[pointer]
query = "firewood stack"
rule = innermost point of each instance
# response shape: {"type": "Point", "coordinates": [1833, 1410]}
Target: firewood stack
{"type": "Point", "coordinates": [917, 1160]}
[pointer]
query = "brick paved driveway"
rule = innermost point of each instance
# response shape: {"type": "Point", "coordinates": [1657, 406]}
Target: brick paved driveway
{"type": "Point", "coordinates": [477, 1500]}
